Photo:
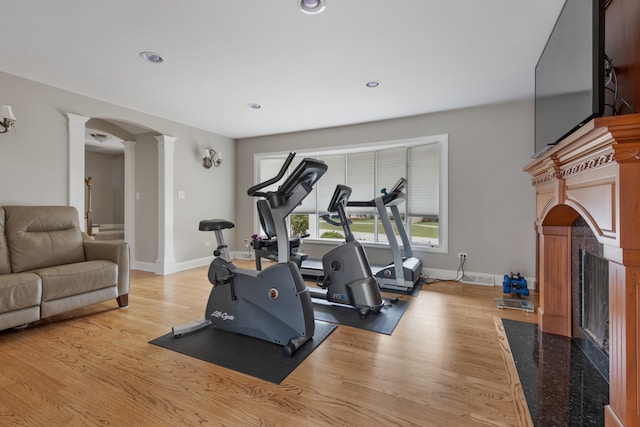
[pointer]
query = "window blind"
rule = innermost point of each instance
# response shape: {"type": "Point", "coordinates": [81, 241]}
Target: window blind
{"type": "Point", "coordinates": [335, 174]}
{"type": "Point", "coordinates": [424, 180]}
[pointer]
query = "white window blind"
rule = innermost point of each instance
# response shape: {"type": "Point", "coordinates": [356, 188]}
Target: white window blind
{"type": "Point", "coordinates": [360, 170]}
{"type": "Point", "coordinates": [269, 168]}
{"type": "Point", "coordinates": [391, 165]}
{"type": "Point", "coordinates": [335, 174]}
{"type": "Point", "coordinates": [424, 180]}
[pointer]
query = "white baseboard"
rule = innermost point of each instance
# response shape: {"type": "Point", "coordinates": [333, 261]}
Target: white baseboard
{"type": "Point", "coordinates": [171, 268]}
{"type": "Point", "coordinates": [110, 226]}
{"type": "Point", "coordinates": [194, 263]}
{"type": "Point", "coordinates": [242, 255]}
{"type": "Point", "coordinates": [144, 266]}
{"type": "Point", "coordinates": [473, 278]}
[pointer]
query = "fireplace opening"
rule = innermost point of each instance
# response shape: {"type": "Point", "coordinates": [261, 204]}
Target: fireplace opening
{"type": "Point", "coordinates": [594, 298]}
{"type": "Point", "coordinates": [590, 296]}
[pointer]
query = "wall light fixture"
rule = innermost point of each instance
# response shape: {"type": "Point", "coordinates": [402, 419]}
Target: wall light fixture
{"type": "Point", "coordinates": [7, 119]}
{"type": "Point", "coordinates": [211, 157]}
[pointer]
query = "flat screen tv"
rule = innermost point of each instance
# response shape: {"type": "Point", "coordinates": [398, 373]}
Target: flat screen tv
{"type": "Point", "coordinates": [569, 87]}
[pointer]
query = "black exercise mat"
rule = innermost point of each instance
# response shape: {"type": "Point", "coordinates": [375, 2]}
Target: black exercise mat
{"type": "Point", "coordinates": [250, 356]}
{"type": "Point", "coordinates": [384, 322]}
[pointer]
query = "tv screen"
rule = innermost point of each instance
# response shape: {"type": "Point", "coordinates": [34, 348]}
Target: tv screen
{"type": "Point", "coordinates": [570, 73]}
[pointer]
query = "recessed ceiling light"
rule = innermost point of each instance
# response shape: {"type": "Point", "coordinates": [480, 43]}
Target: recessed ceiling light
{"type": "Point", "coordinates": [311, 6]}
{"type": "Point", "coordinates": [151, 57]}
{"type": "Point", "coordinates": [101, 137]}
{"type": "Point", "coordinates": [255, 106]}
{"type": "Point", "coordinates": [373, 83]}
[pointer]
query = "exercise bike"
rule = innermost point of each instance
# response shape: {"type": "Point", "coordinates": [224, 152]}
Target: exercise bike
{"type": "Point", "coordinates": [274, 304]}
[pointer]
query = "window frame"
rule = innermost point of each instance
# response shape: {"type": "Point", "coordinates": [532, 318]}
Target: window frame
{"type": "Point", "coordinates": [442, 140]}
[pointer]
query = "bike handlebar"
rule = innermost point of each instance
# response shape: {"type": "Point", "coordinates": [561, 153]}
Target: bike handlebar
{"type": "Point", "coordinates": [253, 191]}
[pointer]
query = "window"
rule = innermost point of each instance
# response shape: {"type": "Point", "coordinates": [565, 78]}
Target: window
{"type": "Point", "coordinates": [367, 170]}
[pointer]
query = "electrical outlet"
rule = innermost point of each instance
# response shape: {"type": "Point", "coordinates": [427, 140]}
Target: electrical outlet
{"type": "Point", "coordinates": [463, 255]}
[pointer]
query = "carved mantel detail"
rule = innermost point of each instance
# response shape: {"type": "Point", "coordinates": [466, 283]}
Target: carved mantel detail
{"type": "Point", "coordinates": [629, 152]}
{"type": "Point", "coordinates": [586, 165]}
{"type": "Point", "coordinates": [594, 172]}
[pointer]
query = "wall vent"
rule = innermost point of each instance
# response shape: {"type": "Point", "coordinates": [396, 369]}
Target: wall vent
{"type": "Point", "coordinates": [478, 279]}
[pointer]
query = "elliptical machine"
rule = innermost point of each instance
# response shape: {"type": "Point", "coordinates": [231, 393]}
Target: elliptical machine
{"type": "Point", "coordinates": [274, 304]}
{"type": "Point", "coordinates": [348, 279]}
{"type": "Point", "coordinates": [347, 276]}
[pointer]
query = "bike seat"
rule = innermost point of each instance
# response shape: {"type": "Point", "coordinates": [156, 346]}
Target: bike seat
{"type": "Point", "coordinates": [215, 224]}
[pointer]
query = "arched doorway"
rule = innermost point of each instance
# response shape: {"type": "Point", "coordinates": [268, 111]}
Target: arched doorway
{"type": "Point", "coordinates": [129, 133]}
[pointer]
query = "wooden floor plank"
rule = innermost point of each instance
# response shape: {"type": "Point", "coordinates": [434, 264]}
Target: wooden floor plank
{"type": "Point", "coordinates": [442, 366]}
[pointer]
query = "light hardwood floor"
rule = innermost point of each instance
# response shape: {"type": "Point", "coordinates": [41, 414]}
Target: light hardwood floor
{"type": "Point", "coordinates": [443, 366]}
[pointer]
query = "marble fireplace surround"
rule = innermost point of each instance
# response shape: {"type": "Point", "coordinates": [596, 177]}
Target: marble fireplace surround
{"type": "Point", "coordinates": [595, 173]}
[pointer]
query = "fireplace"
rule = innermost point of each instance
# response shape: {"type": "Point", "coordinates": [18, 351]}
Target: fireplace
{"type": "Point", "coordinates": [590, 296]}
{"type": "Point", "coordinates": [587, 182]}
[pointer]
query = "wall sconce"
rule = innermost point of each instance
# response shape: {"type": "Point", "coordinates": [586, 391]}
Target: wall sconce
{"type": "Point", "coordinates": [7, 117]}
{"type": "Point", "coordinates": [211, 157]}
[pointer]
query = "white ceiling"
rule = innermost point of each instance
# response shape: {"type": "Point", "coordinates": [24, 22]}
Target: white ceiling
{"type": "Point", "coordinates": [307, 71]}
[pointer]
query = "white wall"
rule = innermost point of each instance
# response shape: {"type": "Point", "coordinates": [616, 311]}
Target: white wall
{"type": "Point", "coordinates": [34, 164]}
{"type": "Point", "coordinates": [491, 200]}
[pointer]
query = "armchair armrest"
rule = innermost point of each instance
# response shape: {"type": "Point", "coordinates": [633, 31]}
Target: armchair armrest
{"type": "Point", "coordinates": [111, 250]}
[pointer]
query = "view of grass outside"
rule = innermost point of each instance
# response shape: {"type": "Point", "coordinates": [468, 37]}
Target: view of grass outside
{"type": "Point", "coordinates": [363, 229]}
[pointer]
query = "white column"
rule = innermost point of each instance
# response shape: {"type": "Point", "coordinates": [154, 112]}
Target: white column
{"type": "Point", "coordinates": [129, 196]}
{"type": "Point", "coordinates": [76, 165]}
{"type": "Point", "coordinates": [165, 261]}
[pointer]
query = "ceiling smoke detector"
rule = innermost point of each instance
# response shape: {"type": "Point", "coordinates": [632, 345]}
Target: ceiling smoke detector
{"type": "Point", "coordinates": [312, 6]}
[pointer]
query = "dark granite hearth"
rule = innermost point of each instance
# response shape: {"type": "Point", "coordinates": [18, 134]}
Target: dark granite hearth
{"type": "Point", "coordinates": [560, 384]}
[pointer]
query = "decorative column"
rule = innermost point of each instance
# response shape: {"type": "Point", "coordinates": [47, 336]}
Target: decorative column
{"type": "Point", "coordinates": [129, 196]}
{"type": "Point", "coordinates": [624, 281]}
{"type": "Point", "coordinates": [165, 262]}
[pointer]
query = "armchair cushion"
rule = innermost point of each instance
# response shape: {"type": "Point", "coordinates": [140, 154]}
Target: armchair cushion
{"type": "Point", "coordinates": [19, 291]}
{"type": "Point", "coordinates": [78, 278]}
{"type": "Point", "coordinates": [42, 236]}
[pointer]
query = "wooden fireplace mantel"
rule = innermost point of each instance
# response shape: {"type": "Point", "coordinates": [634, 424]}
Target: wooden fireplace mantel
{"type": "Point", "coordinates": [595, 173]}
